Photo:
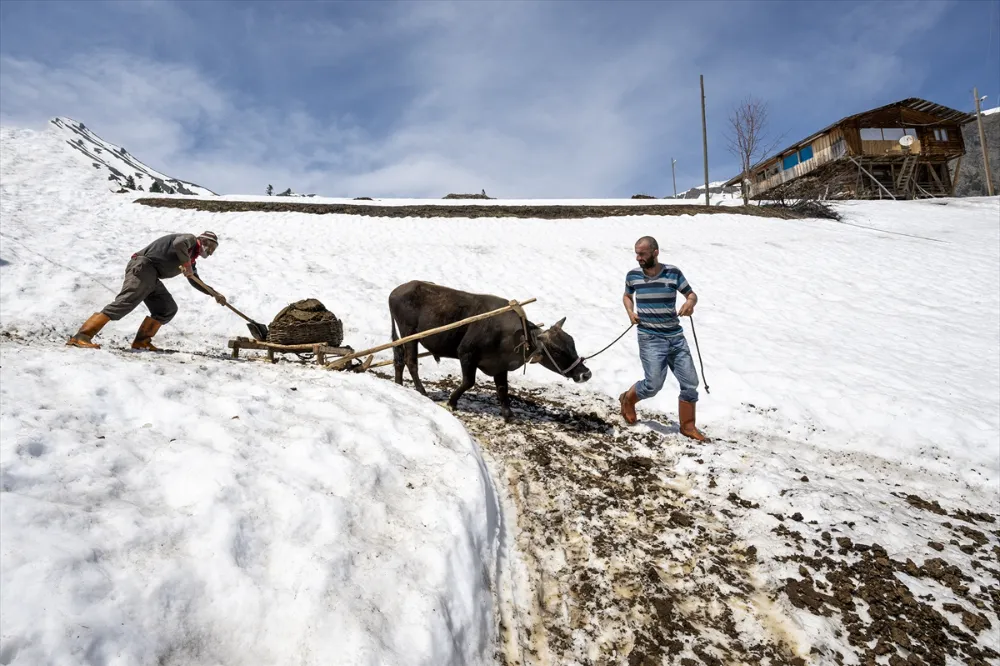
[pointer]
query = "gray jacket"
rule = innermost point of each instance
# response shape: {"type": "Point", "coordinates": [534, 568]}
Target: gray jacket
{"type": "Point", "coordinates": [168, 253]}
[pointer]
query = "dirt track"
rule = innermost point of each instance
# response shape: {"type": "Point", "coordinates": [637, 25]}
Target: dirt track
{"type": "Point", "coordinates": [542, 212]}
{"type": "Point", "coordinates": [627, 566]}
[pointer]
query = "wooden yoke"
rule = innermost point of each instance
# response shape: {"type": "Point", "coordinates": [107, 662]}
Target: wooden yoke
{"type": "Point", "coordinates": [516, 307]}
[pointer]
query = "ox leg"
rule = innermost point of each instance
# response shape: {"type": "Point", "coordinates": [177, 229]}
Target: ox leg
{"type": "Point", "coordinates": [410, 357]}
{"type": "Point", "coordinates": [468, 380]}
{"type": "Point", "coordinates": [502, 395]}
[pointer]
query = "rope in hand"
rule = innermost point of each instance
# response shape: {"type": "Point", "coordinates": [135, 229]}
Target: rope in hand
{"type": "Point", "coordinates": [696, 346]}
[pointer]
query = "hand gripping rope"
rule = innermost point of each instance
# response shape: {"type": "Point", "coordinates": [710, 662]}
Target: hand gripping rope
{"type": "Point", "coordinates": [693, 333]}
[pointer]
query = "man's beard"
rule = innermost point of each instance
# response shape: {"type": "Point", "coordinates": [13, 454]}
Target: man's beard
{"type": "Point", "coordinates": [649, 263]}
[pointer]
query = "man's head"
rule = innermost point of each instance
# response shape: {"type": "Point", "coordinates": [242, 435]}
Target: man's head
{"type": "Point", "coordinates": [647, 251]}
{"type": "Point", "coordinates": [209, 242]}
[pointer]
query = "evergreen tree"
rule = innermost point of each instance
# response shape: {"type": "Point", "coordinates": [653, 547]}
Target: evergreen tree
{"type": "Point", "coordinates": [130, 182]}
{"type": "Point", "coordinates": [270, 190]}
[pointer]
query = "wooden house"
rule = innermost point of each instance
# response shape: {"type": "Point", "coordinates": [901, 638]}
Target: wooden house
{"type": "Point", "coordinates": [897, 151]}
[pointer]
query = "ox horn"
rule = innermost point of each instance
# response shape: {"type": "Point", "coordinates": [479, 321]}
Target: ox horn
{"type": "Point", "coordinates": [559, 323]}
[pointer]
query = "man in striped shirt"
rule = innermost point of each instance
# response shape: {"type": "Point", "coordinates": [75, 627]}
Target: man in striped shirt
{"type": "Point", "coordinates": [650, 300]}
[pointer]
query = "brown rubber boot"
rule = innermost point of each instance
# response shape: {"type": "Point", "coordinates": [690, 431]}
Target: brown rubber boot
{"type": "Point", "coordinates": [143, 339]}
{"type": "Point", "coordinates": [90, 328]}
{"type": "Point", "coordinates": [688, 429]}
{"type": "Point", "coordinates": [628, 400]}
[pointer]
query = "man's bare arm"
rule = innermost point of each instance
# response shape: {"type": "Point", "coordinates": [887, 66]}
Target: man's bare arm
{"type": "Point", "coordinates": [630, 308]}
{"type": "Point", "coordinates": [688, 308]}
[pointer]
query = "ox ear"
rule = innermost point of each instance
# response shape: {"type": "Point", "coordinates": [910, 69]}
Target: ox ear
{"type": "Point", "coordinates": [559, 323]}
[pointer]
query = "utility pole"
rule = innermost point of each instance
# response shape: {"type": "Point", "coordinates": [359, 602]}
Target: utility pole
{"type": "Point", "coordinates": [673, 171]}
{"type": "Point", "coordinates": [982, 142]}
{"type": "Point", "coordinates": [704, 135]}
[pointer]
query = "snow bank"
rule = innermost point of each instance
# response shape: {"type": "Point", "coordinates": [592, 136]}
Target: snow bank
{"type": "Point", "coordinates": [193, 510]}
{"type": "Point", "coordinates": [190, 509]}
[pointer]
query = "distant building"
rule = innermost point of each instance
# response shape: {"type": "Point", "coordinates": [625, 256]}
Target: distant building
{"type": "Point", "coordinates": [900, 150]}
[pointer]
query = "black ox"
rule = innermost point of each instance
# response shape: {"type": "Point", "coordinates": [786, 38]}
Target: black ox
{"type": "Point", "coordinates": [495, 345]}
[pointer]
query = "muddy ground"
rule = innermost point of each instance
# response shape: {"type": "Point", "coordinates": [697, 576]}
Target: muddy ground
{"type": "Point", "coordinates": [628, 566]}
{"type": "Point", "coordinates": [535, 212]}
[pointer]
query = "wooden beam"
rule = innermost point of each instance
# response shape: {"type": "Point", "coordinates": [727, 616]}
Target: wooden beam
{"type": "Point", "coordinates": [954, 180]}
{"type": "Point", "coordinates": [937, 178]}
{"type": "Point", "coordinates": [391, 361]}
{"type": "Point", "coordinates": [343, 361]}
{"type": "Point", "coordinates": [876, 180]}
{"type": "Point", "coordinates": [247, 343]}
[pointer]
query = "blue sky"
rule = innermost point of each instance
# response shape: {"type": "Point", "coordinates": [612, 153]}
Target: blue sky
{"type": "Point", "coordinates": [523, 99]}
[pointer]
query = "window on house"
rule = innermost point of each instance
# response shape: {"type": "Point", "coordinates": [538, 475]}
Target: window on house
{"type": "Point", "coordinates": [806, 154]}
{"type": "Point", "coordinates": [790, 161]}
{"type": "Point", "coordinates": [941, 134]}
{"type": "Point", "coordinates": [886, 133]}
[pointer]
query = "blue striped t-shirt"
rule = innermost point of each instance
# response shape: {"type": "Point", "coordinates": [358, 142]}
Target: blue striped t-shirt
{"type": "Point", "coordinates": [656, 298]}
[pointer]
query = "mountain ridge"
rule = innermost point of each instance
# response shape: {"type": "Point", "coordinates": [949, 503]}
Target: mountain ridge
{"type": "Point", "coordinates": [120, 164]}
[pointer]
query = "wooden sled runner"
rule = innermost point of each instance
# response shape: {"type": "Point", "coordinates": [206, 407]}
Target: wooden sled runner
{"type": "Point", "coordinates": [320, 350]}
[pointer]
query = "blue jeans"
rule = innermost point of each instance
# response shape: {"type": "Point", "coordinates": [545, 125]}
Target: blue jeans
{"type": "Point", "coordinates": [658, 354]}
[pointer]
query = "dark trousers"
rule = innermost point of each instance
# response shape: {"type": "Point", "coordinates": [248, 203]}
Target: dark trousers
{"type": "Point", "coordinates": [142, 285]}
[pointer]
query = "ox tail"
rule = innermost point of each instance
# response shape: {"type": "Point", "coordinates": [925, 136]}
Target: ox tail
{"type": "Point", "coordinates": [397, 351]}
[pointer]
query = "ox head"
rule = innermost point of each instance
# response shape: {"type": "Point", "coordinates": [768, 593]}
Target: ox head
{"type": "Point", "coordinates": [556, 351]}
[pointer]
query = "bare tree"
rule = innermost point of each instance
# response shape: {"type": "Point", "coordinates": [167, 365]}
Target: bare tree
{"type": "Point", "coordinates": [748, 139]}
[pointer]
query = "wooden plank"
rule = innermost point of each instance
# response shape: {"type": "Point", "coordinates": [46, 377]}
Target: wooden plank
{"type": "Point", "coordinates": [954, 181]}
{"type": "Point", "coordinates": [343, 361]}
{"type": "Point", "coordinates": [247, 343]}
{"type": "Point", "coordinates": [937, 179]}
{"type": "Point", "coordinates": [391, 361]}
{"type": "Point", "coordinates": [874, 179]}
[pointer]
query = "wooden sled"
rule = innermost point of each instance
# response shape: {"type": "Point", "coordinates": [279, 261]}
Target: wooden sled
{"type": "Point", "coordinates": [320, 350]}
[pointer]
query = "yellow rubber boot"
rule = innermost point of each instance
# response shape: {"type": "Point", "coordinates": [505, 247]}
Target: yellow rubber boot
{"type": "Point", "coordinates": [90, 328]}
{"type": "Point", "coordinates": [688, 429]}
{"type": "Point", "coordinates": [143, 339]}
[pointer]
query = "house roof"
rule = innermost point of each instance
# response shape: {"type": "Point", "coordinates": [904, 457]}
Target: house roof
{"type": "Point", "coordinates": [944, 113]}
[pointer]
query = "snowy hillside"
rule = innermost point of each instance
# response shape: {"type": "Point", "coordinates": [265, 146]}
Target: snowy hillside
{"type": "Point", "coordinates": [117, 164]}
{"type": "Point", "coordinates": [717, 189]}
{"type": "Point", "coordinates": [191, 508]}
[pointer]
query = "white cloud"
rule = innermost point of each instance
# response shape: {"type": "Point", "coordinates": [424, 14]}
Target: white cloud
{"type": "Point", "coordinates": [522, 99]}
